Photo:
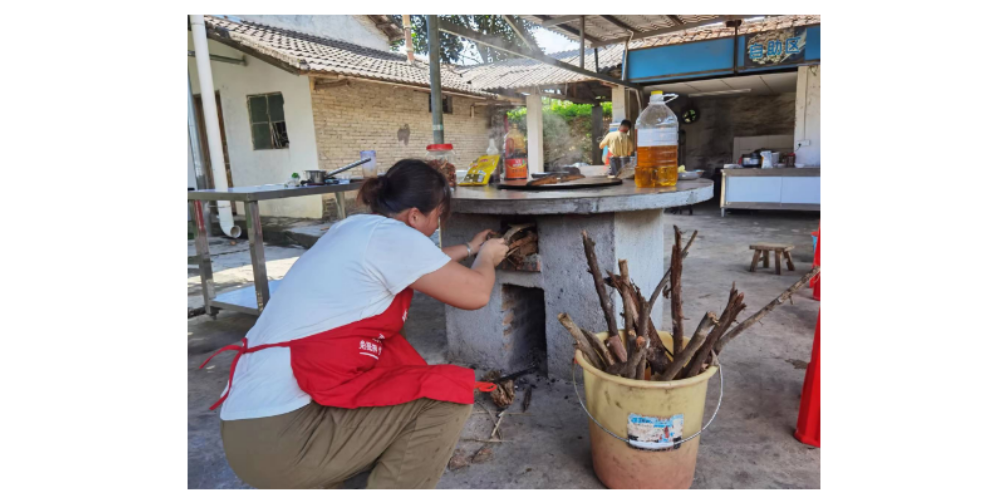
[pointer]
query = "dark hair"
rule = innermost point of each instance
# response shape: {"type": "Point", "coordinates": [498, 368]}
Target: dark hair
{"type": "Point", "coordinates": [410, 183]}
{"type": "Point", "coordinates": [627, 123]}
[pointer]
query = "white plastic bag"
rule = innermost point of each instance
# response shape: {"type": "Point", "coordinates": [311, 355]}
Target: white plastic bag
{"type": "Point", "coordinates": [767, 159]}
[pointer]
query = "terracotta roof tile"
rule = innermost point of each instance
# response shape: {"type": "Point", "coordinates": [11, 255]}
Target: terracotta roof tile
{"type": "Point", "coordinates": [311, 54]}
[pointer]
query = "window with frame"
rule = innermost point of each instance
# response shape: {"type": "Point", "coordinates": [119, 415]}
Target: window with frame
{"type": "Point", "coordinates": [446, 104]}
{"type": "Point", "coordinates": [266, 115]}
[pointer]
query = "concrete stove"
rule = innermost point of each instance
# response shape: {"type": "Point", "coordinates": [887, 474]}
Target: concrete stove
{"type": "Point", "coordinates": [520, 325]}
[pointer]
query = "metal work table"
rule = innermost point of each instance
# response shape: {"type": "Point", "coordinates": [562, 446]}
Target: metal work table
{"type": "Point", "coordinates": [521, 318]}
{"type": "Point", "coordinates": [243, 300]}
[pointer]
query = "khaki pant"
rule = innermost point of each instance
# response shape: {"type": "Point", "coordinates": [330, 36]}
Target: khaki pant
{"type": "Point", "coordinates": [320, 447]}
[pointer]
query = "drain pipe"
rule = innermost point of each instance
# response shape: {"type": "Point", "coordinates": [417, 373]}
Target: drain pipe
{"type": "Point", "coordinates": [202, 49]}
{"type": "Point", "coordinates": [195, 148]}
{"type": "Point", "coordinates": [196, 151]}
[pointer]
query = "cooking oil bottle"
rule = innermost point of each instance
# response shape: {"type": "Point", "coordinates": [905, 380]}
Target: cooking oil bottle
{"type": "Point", "coordinates": [657, 144]}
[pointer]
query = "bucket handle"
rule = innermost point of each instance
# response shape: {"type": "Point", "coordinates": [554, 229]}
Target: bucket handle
{"type": "Point", "coordinates": [675, 445]}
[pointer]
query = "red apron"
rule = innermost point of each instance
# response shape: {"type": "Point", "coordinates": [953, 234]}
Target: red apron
{"type": "Point", "coordinates": [367, 364]}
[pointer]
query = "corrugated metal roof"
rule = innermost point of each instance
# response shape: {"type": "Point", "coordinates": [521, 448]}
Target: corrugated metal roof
{"type": "Point", "coordinates": [526, 73]}
{"type": "Point", "coordinates": [319, 55]}
{"type": "Point", "coordinates": [615, 28]}
{"type": "Point", "coordinates": [721, 31]}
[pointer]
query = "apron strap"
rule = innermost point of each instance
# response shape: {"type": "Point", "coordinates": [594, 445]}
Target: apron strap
{"type": "Point", "coordinates": [486, 386]}
{"type": "Point", "coordinates": [241, 350]}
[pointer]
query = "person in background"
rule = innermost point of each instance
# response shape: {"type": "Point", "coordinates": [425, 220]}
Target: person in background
{"type": "Point", "coordinates": [619, 142]}
{"type": "Point", "coordinates": [324, 385]}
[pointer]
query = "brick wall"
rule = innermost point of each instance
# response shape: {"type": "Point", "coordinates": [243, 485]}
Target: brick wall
{"type": "Point", "coordinates": [524, 320]}
{"type": "Point", "coordinates": [708, 143]}
{"type": "Point", "coordinates": [362, 116]}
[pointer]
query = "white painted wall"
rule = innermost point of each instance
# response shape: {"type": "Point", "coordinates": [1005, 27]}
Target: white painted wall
{"type": "Point", "coordinates": [255, 167]}
{"type": "Point", "coordinates": [619, 104]}
{"type": "Point", "coordinates": [534, 125]}
{"type": "Point", "coordinates": [354, 29]}
{"type": "Point", "coordinates": [807, 113]}
{"type": "Point", "coordinates": [190, 167]}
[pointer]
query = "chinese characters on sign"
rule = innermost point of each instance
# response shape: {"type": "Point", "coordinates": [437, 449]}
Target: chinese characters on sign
{"type": "Point", "coordinates": [775, 48]}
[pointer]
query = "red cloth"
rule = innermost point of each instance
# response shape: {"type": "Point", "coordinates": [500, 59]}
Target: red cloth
{"type": "Point", "coordinates": [808, 413]}
{"type": "Point", "coordinates": [368, 364]}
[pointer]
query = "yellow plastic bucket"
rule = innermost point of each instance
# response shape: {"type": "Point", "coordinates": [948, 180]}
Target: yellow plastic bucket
{"type": "Point", "coordinates": [653, 426]}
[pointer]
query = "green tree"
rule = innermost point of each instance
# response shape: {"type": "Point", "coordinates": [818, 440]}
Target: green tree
{"type": "Point", "coordinates": [454, 48]}
{"type": "Point", "coordinates": [566, 130]}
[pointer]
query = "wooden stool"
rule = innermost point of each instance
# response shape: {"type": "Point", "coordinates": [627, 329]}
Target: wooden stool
{"type": "Point", "coordinates": [778, 249]}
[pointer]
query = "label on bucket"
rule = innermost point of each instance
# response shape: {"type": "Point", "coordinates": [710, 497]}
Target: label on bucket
{"type": "Point", "coordinates": [654, 433]}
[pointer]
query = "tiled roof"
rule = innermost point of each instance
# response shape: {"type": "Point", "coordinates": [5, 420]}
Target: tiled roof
{"type": "Point", "coordinates": [319, 55]}
{"type": "Point", "coordinates": [521, 72]}
{"type": "Point", "coordinates": [722, 31]}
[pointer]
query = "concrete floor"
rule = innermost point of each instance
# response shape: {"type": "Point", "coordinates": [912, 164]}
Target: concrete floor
{"type": "Point", "coordinates": [749, 445]}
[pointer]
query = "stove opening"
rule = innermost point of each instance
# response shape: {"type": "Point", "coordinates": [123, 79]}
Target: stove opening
{"type": "Point", "coordinates": [525, 326]}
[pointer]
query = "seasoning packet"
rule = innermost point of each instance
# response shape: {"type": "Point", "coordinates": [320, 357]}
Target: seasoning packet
{"type": "Point", "coordinates": [481, 170]}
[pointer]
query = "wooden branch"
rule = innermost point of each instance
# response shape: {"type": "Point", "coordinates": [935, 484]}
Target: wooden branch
{"type": "Point", "coordinates": [658, 288]}
{"type": "Point", "coordinates": [731, 310]}
{"type": "Point", "coordinates": [657, 352]}
{"type": "Point", "coordinates": [580, 341]}
{"type": "Point", "coordinates": [676, 293]}
{"type": "Point", "coordinates": [643, 315]}
{"type": "Point", "coordinates": [515, 229]}
{"type": "Point", "coordinates": [630, 320]}
{"type": "Point", "coordinates": [497, 430]}
{"type": "Point", "coordinates": [685, 250]}
{"type": "Point", "coordinates": [614, 342]}
{"type": "Point", "coordinates": [629, 369]}
{"type": "Point", "coordinates": [699, 337]}
{"type": "Point", "coordinates": [747, 323]}
{"type": "Point", "coordinates": [514, 246]}
{"type": "Point", "coordinates": [659, 357]}
{"type": "Point", "coordinates": [599, 347]}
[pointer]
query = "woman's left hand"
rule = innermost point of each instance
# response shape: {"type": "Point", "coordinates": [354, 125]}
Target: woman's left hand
{"type": "Point", "coordinates": [479, 240]}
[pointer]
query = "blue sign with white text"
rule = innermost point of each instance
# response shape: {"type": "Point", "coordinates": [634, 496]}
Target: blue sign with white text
{"type": "Point", "coordinates": [775, 48]}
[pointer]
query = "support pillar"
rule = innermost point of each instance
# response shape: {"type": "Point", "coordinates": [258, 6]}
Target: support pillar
{"type": "Point", "coordinates": [534, 123]}
{"type": "Point", "coordinates": [619, 111]}
{"type": "Point", "coordinates": [598, 131]}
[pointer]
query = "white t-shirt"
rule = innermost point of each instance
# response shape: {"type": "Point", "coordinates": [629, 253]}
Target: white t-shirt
{"type": "Point", "coordinates": [353, 272]}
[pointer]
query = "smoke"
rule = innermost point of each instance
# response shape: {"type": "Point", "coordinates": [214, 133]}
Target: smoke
{"type": "Point", "coordinates": [563, 143]}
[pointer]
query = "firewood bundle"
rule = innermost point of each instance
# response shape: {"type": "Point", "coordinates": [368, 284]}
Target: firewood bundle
{"type": "Point", "coordinates": [523, 245]}
{"type": "Point", "coordinates": [642, 349]}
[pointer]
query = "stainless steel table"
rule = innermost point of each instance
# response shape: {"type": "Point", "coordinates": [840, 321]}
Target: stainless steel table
{"type": "Point", "coordinates": [241, 299]}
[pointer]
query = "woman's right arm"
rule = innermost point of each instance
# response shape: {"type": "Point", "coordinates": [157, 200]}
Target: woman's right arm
{"type": "Point", "coordinates": [461, 287]}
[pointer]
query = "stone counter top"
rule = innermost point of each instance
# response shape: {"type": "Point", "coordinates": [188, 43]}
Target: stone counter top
{"type": "Point", "coordinates": [622, 198]}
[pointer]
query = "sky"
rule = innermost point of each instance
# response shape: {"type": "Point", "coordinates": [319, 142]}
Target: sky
{"type": "Point", "coordinates": [549, 41]}
{"type": "Point", "coordinates": [552, 42]}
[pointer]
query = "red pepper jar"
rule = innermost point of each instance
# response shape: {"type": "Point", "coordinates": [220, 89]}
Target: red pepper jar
{"type": "Point", "coordinates": [442, 157]}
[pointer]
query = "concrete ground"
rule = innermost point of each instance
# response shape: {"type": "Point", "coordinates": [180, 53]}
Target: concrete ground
{"type": "Point", "coordinates": [232, 266]}
{"type": "Point", "coordinates": [749, 445]}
